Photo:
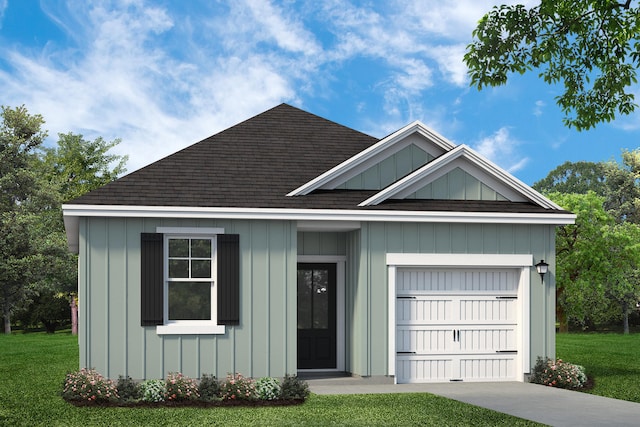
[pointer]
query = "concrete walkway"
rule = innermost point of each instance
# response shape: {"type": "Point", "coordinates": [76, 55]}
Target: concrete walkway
{"type": "Point", "coordinates": [551, 406]}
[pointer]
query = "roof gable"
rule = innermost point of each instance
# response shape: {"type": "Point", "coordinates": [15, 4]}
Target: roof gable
{"type": "Point", "coordinates": [413, 134]}
{"type": "Point", "coordinates": [469, 161]}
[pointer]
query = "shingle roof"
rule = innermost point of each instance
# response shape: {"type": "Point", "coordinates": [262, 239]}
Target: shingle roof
{"type": "Point", "coordinates": [254, 164]}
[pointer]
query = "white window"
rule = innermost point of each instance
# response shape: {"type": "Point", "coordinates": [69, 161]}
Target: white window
{"type": "Point", "coordinates": [190, 295]}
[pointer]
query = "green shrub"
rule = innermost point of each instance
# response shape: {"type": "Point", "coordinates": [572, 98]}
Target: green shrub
{"type": "Point", "coordinates": [293, 387]}
{"type": "Point", "coordinates": [268, 388]}
{"type": "Point", "coordinates": [181, 388]}
{"type": "Point", "coordinates": [88, 385]}
{"type": "Point", "coordinates": [209, 388]}
{"type": "Point", "coordinates": [128, 389]}
{"type": "Point", "coordinates": [237, 387]}
{"type": "Point", "coordinates": [558, 374]}
{"type": "Point", "coordinates": [153, 390]}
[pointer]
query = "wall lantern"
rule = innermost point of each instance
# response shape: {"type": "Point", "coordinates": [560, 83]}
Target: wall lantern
{"type": "Point", "coordinates": [542, 268]}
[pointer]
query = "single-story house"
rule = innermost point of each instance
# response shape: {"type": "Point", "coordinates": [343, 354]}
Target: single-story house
{"type": "Point", "coordinates": [289, 243]}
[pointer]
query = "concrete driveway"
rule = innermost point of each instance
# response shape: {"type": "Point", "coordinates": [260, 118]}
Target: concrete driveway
{"type": "Point", "coordinates": [551, 406]}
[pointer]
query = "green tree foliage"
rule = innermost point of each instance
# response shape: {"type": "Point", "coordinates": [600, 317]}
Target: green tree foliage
{"type": "Point", "coordinates": [575, 177]}
{"type": "Point", "coordinates": [578, 247]}
{"type": "Point", "coordinates": [591, 47]}
{"type": "Point", "coordinates": [78, 166]}
{"type": "Point", "coordinates": [21, 196]}
{"type": "Point", "coordinates": [622, 190]}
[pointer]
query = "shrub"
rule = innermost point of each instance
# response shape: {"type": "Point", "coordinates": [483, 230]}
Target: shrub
{"type": "Point", "coordinates": [153, 390]}
{"type": "Point", "coordinates": [180, 387]}
{"type": "Point", "coordinates": [293, 387]}
{"type": "Point", "coordinates": [237, 387]}
{"type": "Point", "coordinates": [268, 388]}
{"type": "Point", "coordinates": [209, 388]}
{"type": "Point", "coordinates": [88, 385]}
{"type": "Point", "coordinates": [558, 374]}
{"type": "Point", "coordinates": [128, 389]}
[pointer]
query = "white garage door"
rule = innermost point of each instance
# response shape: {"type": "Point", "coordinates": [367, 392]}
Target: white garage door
{"type": "Point", "coordinates": [456, 325]}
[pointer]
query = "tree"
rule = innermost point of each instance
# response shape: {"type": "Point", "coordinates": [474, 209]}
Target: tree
{"type": "Point", "coordinates": [20, 195]}
{"type": "Point", "coordinates": [576, 178]}
{"type": "Point", "coordinates": [74, 167]}
{"type": "Point", "coordinates": [620, 279]}
{"type": "Point", "coordinates": [591, 47]}
{"type": "Point", "coordinates": [579, 248]}
{"type": "Point", "coordinates": [622, 189]}
{"type": "Point", "coordinates": [79, 166]}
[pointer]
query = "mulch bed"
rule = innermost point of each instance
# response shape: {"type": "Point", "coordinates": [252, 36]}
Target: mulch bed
{"type": "Point", "coordinates": [186, 404]}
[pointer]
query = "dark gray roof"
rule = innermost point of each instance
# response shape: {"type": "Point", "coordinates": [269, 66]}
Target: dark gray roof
{"type": "Point", "coordinates": [254, 164]}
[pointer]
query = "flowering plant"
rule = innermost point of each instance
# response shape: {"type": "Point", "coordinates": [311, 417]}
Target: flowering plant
{"type": "Point", "coordinates": [268, 388]}
{"type": "Point", "coordinates": [88, 385]}
{"type": "Point", "coordinates": [180, 387]}
{"type": "Point", "coordinates": [557, 373]}
{"type": "Point", "coordinates": [237, 387]}
{"type": "Point", "coordinates": [153, 390]}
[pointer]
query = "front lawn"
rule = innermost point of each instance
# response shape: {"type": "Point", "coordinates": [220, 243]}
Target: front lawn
{"type": "Point", "coordinates": [33, 366]}
{"type": "Point", "coordinates": [612, 360]}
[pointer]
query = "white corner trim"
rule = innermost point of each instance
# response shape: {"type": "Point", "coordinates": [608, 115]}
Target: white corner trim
{"type": "Point", "coordinates": [391, 325]}
{"type": "Point", "coordinates": [459, 260]}
{"type": "Point", "coordinates": [363, 156]}
{"type": "Point", "coordinates": [462, 151]}
{"type": "Point", "coordinates": [177, 329]}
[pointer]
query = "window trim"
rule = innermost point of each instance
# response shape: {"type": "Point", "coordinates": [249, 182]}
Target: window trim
{"type": "Point", "coordinates": [190, 327]}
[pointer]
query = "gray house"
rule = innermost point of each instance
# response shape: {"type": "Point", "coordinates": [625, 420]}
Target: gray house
{"type": "Point", "coordinates": [289, 243]}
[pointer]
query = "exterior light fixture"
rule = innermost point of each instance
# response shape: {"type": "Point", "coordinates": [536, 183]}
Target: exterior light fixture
{"type": "Point", "coordinates": [542, 268]}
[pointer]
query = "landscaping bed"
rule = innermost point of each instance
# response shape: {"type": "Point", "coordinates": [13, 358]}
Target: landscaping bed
{"type": "Point", "coordinates": [87, 387]}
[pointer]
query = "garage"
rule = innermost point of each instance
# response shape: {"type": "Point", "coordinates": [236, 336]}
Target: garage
{"type": "Point", "coordinates": [457, 324]}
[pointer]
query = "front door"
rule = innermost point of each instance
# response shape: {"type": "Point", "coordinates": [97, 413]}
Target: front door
{"type": "Point", "coordinates": [316, 316]}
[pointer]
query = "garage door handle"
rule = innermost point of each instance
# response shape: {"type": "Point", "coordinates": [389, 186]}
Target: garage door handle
{"type": "Point", "coordinates": [406, 297]}
{"type": "Point", "coordinates": [406, 352]}
{"type": "Point", "coordinates": [506, 297]}
{"type": "Point", "coordinates": [507, 351]}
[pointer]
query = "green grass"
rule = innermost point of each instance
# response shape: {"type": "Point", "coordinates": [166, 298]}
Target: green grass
{"type": "Point", "coordinates": [612, 360]}
{"type": "Point", "coordinates": [33, 366]}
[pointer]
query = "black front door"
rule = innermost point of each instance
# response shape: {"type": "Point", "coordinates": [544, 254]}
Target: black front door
{"type": "Point", "coordinates": [316, 316]}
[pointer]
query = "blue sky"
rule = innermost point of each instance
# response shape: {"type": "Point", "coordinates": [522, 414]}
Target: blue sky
{"type": "Point", "coordinates": [164, 74]}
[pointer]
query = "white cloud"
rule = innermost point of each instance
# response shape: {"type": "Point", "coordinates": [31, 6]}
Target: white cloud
{"type": "Point", "coordinates": [500, 148]}
{"type": "Point", "coordinates": [539, 106]}
{"type": "Point", "coordinates": [3, 7]}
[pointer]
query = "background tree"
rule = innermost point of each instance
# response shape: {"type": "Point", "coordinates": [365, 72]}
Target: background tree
{"type": "Point", "coordinates": [622, 189]}
{"type": "Point", "coordinates": [20, 196]}
{"type": "Point", "coordinates": [591, 47]}
{"type": "Point", "coordinates": [579, 248]}
{"type": "Point", "coordinates": [575, 177]}
{"type": "Point", "coordinates": [72, 168]}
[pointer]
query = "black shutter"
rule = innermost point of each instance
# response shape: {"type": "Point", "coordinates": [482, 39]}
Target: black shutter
{"type": "Point", "coordinates": [152, 278]}
{"type": "Point", "coordinates": [228, 279]}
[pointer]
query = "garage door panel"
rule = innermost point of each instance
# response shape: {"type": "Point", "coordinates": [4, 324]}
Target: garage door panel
{"type": "Point", "coordinates": [483, 339]}
{"type": "Point", "coordinates": [412, 369]}
{"type": "Point", "coordinates": [421, 340]}
{"type": "Point", "coordinates": [497, 368]}
{"type": "Point", "coordinates": [421, 309]}
{"type": "Point", "coordinates": [492, 309]}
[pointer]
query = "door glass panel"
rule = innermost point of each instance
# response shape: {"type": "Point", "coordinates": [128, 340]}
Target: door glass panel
{"type": "Point", "coordinates": [305, 301]}
{"type": "Point", "coordinates": [320, 299]}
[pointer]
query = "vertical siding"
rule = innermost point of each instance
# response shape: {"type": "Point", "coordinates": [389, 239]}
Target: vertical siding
{"type": "Point", "coordinates": [369, 298]}
{"type": "Point", "coordinates": [457, 185]}
{"type": "Point", "coordinates": [316, 243]}
{"type": "Point", "coordinates": [112, 340]}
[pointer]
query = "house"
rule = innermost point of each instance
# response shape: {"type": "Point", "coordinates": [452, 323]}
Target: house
{"type": "Point", "coordinates": [289, 243]}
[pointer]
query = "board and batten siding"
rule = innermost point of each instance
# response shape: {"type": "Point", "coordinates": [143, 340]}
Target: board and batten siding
{"type": "Point", "coordinates": [367, 339]}
{"type": "Point", "coordinates": [112, 340]}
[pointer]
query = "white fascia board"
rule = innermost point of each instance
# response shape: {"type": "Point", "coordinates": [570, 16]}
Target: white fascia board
{"type": "Point", "coordinates": [315, 214]}
{"type": "Point", "coordinates": [363, 156]}
{"type": "Point", "coordinates": [484, 164]}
